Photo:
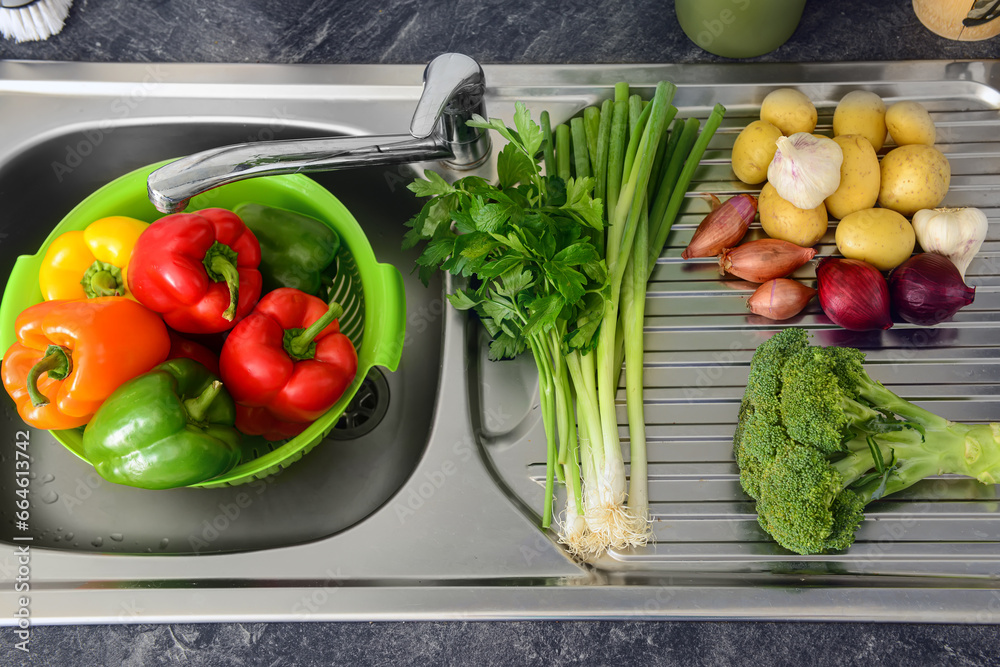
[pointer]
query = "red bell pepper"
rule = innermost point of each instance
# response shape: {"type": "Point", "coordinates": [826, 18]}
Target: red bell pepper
{"type": "Point", "coordinates": [198, 269]}
{"type": "Point", "coordinates": [185, 348]}
{"type": "Point", "coordinates": [258, 421]}
{"type": "Point", "coordinates": [289, 357]}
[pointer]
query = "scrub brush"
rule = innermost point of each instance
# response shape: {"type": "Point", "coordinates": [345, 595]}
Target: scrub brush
{"type": "Point", "coordinates": [32, 20]}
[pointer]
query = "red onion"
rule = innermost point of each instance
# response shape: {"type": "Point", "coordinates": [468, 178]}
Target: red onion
{"type": "Point", "coordinates": [927, 289]}
{"type": "Point", "coordinates": [780, 299]}
{"type": "Point", "coordinates": [853, 294]}
{"type": "Point", "coordinates": [764, 259]}
{"type": "Point", "coordinates": [723, 227]}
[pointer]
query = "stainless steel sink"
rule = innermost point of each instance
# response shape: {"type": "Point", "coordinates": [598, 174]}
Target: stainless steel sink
{"type": "Point", "coordinates": [364, 462]}
{"type": "Point", "coordinates": [432, 513]}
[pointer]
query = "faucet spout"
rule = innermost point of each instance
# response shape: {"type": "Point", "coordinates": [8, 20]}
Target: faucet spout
{"type": "Point", "coordinates": [171, 187]}
{"type": "Point", "coordinates": [454, 88]}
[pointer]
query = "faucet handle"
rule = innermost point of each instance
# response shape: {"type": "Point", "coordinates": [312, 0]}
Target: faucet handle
{"type": "Point", "coordinates": [448, 77]}
{"type": "Point", "coordinates": [454, 87]}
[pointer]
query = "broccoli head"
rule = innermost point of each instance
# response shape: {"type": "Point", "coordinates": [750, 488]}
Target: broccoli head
{"type": "Point", "coordinates": [818, 439]}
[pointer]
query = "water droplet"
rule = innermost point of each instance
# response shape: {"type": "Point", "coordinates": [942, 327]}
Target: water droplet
{"type": "Point", "coordinates": [48, 478]}
{"type": "Point", "coordinates": [97, 541]}
{"type": "Point", "coordinates": [69, 536]}
{"type": "Point", "coordinates": [117, 537]}
{"type": "Point", "coordinates": [164, 542]}
{"type": "Point", "coordinates": [149, 550]}
{"type": "Point", "coordinates": [59, 529]}
{"type": "Point", "coordinates": [32, 475]}
{"type": "Point", "coordinates": [49, 496]}
{"type": "Point", "coordinates": [55, 538]}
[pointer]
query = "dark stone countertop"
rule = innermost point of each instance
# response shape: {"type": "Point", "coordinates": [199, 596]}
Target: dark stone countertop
{"type": "Point", "coordinates": [413, 31]}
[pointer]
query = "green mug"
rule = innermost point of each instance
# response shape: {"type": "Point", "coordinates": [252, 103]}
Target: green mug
{"type": "Point", "coordinates": [739, 28]}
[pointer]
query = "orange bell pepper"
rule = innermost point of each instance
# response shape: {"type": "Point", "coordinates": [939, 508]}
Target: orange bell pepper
{"type": "Point", "coordinates": [70, 355]}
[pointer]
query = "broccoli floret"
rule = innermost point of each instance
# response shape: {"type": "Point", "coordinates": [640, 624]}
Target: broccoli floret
{"type": "Point", "coordinates": [818, 440]}
{"type": "Point", "coordinates": [759, 434]}
{"type": "Point", "coordinates": [803, 503]}
{"type": "Point", "coordinates": [817, 405]}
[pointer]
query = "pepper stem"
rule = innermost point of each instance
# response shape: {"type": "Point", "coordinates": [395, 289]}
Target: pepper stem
{"type": "Point", "coordinates": [57, 363]}
{"type": "Point", "coordinates": [220, 264]}
{"type": "Point", "coordinates": [197, 406]}
{"type": "Point", "coordinates": [300, 343]}
{"type": "Point", "coordinates": [102, 279]}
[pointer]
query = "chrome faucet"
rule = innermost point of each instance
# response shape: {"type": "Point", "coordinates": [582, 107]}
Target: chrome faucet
{"type": "Point", "coordinates": [454, 88]}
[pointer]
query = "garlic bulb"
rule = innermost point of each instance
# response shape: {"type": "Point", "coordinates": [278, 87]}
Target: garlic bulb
{"type": "Point", "coordinates": [956, 233]}
{"type": "Point", "coordinates": [806, 169]}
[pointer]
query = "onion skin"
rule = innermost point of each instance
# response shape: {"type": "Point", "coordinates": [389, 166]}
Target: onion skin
{"type": "Point", "coordinates": [764, 259]}
{"type": "Point", "coordinates": [853, 294]}
{"type": "Point", "coordinates": [723, 227]}
{"type": "Point", "coordinates": [780, 299]}
{"type": "Point", "coordinates": [928, 289]}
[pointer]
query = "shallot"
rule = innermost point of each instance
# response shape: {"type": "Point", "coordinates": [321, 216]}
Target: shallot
{"type": "Point", "coordinates": [764, 259]}
{"type": "Point", "coordinates": [780, 299]}
{"type": "Point", "coordinates": [927, 289]}
{"type": "Point", "coordinates": [853, 294]}
{"type": "Point", "coordinates": [723, 227]}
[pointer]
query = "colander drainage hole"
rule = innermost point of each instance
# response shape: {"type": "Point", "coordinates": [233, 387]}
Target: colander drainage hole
{"type": "Point", "coordinates": [366, 409]}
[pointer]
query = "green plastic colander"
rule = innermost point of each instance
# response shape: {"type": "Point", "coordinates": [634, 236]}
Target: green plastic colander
{"type": "Point", "coordinates": [371, 294]}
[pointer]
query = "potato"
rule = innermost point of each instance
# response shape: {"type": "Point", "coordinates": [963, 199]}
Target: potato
{"type": "Point", "coordinates": [859, 177]}
{"type": "Point", "coordinates": [915, 176]}
{"type": "Point", "coordinates": [789, 110]}
{"type": "Point", "coordinates": [861, 112]}
{"type": "Point", "coordinates": [909, 123]}
{"type": "Point", "coordinates": [881, 237]}
{"type": "Point", "coordinates": [753, 151]}
{"type": "Point", "coordinates": [783, 220]}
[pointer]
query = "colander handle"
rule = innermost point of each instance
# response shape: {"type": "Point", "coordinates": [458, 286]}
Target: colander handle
{"type": "Point", "coordinates": [392, 310]}
{"type": "Point", "coordinates": [22, 291]}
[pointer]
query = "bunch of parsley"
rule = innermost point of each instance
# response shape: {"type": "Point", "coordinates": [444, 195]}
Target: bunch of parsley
{"type": "Point", "coordinates": [535, 276]}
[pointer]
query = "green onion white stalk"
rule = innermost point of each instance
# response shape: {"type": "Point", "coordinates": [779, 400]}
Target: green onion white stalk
{"type": "Point", "coordinates": [644, 171]}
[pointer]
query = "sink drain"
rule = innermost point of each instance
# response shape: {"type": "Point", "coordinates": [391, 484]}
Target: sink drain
{"type": "Point", "coordinates": [366, 409]}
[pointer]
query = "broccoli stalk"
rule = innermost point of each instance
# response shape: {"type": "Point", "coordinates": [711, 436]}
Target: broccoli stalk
{"type": "Point", "coordinates": [818, 439]}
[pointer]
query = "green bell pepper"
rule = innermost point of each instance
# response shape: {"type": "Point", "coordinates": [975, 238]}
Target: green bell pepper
{"type": "Point", "coordinates": [295, 250]}
{"type": "Point", "coordinates": [170, 427]}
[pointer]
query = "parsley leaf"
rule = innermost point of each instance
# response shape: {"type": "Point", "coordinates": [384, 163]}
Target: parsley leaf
{"type": "Point", "coordinates": [432, 185]}
{"type": "Point", "coordinates": [463, 300]}
{"type": "Point", "coordinates": [544, 313]}
{"type": "Point", "coordinates": [513, 167]}
{"type": "Point", "coordinates": [528, 131]}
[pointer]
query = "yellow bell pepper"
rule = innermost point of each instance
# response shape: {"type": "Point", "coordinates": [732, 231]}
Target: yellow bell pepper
{"type": "Point", "coordinates": [92, 262]}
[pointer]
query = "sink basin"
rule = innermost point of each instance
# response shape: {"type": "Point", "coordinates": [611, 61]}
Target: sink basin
{"type": "Point", "coordinates": [431, 509]}
{"type": "Point", "coordinates": [359, 466]}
